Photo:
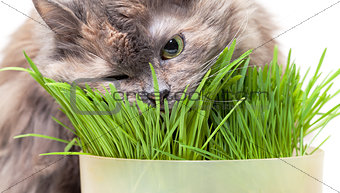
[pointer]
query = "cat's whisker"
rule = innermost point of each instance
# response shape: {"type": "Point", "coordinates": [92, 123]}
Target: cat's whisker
{"type": "Point", "coordinates": [239, 33]}
{"type": "Point", "coordinates": [231, 70]}
{"type": "Point", "coordinates": [243, 27]}
{"type": "Point", "coordinates": [212, 61]}
{"type": "Point", "coordinates": [244, 38]}
{"type": "Point", "coordinates": [236, 37]}
{"type": "Point", "coordinates": [208, 64]}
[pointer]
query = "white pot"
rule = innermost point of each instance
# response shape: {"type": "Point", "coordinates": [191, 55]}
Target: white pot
{"type": "Point", "coordinates": [286, 175]}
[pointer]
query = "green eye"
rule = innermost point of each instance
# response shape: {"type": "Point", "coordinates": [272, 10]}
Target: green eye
{"type": "Point", "coordinates": [173, 48]}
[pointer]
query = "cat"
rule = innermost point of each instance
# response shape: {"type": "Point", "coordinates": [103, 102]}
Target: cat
{"type": "Point", "coordinates": [115, 39]}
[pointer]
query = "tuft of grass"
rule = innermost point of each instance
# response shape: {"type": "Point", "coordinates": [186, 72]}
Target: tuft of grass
{"type": "Point", "coordinates": [278, 112]}
{"type": "Point", "coordinates": [237, 112]}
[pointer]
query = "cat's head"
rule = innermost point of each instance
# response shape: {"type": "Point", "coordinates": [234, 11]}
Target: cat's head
{"type": "Point", "coordinates": [119, 38]}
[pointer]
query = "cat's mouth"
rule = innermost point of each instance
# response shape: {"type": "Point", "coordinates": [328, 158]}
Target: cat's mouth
{"type": "Point", "coordinates": [151, 104]}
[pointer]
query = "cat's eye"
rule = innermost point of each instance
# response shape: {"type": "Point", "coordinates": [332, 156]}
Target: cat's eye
{"type": "Point", "coordinates": [173, 48]}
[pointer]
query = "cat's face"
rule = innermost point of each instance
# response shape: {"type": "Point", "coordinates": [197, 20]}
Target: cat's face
{"type": "Point", "coordinates": [119, 38]}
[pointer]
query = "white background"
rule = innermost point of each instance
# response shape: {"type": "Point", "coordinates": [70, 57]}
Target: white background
{"type": "Point", "coordinates": [307, 41]}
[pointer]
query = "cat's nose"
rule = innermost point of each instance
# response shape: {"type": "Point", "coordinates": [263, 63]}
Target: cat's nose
{"type": "Point", "coordinates": [162, 94]}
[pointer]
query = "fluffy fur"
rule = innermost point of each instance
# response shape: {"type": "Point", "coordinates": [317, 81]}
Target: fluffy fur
{"type": "Point", "coordinates": [108, 38]}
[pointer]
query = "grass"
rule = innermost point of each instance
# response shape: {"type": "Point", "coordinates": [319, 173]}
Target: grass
{"type": "Point", "coordinates": [277, 114]}
{"type": "Point", "coordinates": [238, 112]}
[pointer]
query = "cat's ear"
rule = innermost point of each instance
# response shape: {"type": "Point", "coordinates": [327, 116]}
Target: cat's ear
{"type": "Point", "coordinates": [59, 18]}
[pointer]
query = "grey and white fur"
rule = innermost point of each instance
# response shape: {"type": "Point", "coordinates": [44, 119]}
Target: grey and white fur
{"type": "Point", "coordinates": [108, 38]}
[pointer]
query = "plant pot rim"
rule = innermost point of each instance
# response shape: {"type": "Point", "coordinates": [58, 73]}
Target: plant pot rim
{"type": "Point", "coordinates": [101, 174]}
{"type": "Point", "coordinates": [317, 153]}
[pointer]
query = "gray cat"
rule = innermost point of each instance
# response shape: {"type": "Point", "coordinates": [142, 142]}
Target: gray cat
{"type": "Point", "coordinates": [110, 39]}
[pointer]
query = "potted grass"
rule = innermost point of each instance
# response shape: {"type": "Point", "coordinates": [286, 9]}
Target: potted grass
{"type": "Point", "coordinates": [242, 130]}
